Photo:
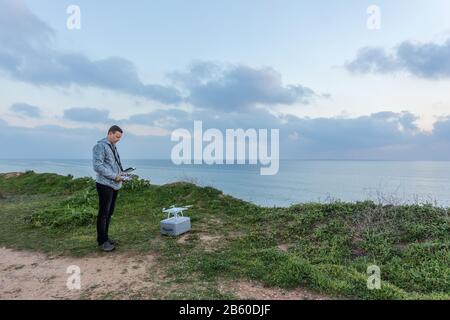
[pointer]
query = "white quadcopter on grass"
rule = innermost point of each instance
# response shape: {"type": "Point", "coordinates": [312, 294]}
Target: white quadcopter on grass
{"type": "Point", "coordinates": [175, 211]}
{"type": "Point", "coordinates": [176, 225]}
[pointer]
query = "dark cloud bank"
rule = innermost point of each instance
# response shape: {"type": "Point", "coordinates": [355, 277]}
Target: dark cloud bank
{"type": "Point", "coordinates": [423, 60]}
{"type": "Point", "coordinates": [28, 54]}
{"type": "Point", "coordinates": [383, 136]}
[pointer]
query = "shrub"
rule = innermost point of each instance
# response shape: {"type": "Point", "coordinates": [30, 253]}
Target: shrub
{"type": "Point", "coordinates": [78, 210]}
{"type": "Point", "coordinates": [136, 184]}
{"type": "Point", "coordinates": [56, 218]}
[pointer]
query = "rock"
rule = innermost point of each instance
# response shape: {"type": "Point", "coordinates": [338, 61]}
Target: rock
{"type": "Point", "coordinates": [12, 175]}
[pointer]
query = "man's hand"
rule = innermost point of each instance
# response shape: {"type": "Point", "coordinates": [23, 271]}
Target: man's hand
{"type": "Point", "coordinates": [119, 178]}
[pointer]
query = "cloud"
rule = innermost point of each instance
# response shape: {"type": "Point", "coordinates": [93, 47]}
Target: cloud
{"type": "Point", "coordinates": [87, 115]}
{"type": "Point", "coordinates": [379, 136]}
{"type": "Point", "coordinates": [238, 87]}
{"type": "Point", "coordinates": [166, 118]}
{"type": "Point", "coordinates": [20, 28]}
{"type": "Point", "coordinates": [382, 135]}
{"type": "Point", "coordinates": [56, 142]}
{"type": "Point", "coordinates": [26, 110]}
{"type": "Point", "coordinates": [378, 130]}
{"type": "Point", "coordinates": [442, 128]}
{"type": "Point", "coordinates": [423, 60]}
{"type": "Point", "coordinates": [372, 60]}
{"type": "Point", "coordinates": [27, 54]}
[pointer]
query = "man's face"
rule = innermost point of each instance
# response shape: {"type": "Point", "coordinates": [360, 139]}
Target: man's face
{"type": "Point", "coordinates": [114, 137]}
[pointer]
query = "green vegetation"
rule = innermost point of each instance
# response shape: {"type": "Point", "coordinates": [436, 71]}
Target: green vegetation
{"type": "Point", "coordinates": [324, 247]}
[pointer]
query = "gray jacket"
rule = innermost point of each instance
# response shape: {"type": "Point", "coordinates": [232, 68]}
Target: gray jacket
{"type": "Point", "coordinates": [105, 164]}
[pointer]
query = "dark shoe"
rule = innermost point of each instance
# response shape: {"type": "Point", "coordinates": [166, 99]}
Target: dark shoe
{"type": "Point", "coordinates": [107, 247]}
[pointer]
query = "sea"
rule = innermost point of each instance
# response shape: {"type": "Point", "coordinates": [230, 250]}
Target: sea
{"type": "Point", "coordinates": [298, 181]}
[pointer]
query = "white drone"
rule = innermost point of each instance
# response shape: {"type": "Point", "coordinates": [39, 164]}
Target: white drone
{"type": "Point", "coordinates": [175, 211]}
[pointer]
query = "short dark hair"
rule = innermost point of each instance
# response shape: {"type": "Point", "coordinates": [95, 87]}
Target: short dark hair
{"type": "Point", "coordinates": [114, 129]}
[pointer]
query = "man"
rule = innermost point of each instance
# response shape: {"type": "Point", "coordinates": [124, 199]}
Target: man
{"type": "Point", "coordinates": [107, 165]}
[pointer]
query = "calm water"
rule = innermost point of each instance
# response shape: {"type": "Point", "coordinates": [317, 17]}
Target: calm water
{"type": "Point", "coordinates": [296, 182]}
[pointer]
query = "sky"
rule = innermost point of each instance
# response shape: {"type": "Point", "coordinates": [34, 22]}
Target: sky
{"type": "Point", "coordinates": [335, 88]}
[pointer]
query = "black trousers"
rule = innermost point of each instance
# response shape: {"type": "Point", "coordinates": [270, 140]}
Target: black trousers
{"type": "Point", "coordinates": [107, 201]}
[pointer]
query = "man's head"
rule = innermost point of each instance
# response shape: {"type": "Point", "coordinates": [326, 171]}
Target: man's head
{"type": "Point", "coordinates": [114, 134]}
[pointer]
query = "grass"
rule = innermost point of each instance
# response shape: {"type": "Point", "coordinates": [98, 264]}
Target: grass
{"type": "Point", "coordinates": [324, 247]}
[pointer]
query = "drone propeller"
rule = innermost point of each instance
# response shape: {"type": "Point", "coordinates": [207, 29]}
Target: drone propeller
{"type": "Point", "coordinates": [176, 210]}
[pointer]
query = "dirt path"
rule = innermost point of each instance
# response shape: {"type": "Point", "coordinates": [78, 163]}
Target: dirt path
{"type": "Point", "coordinates": [256, 291]}
{"type": "Point", "coordinates": [31, 275]}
